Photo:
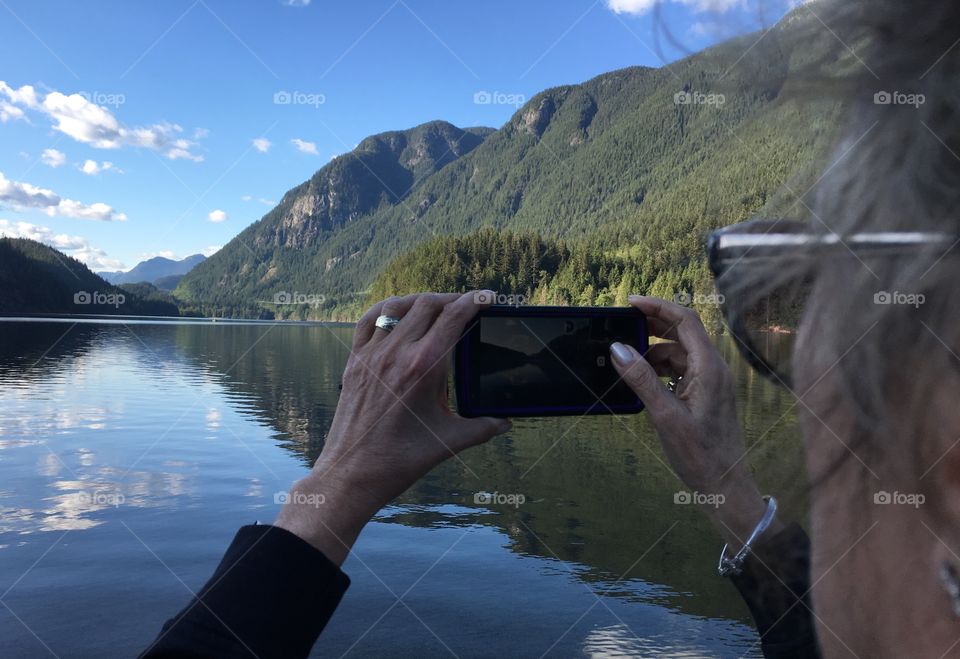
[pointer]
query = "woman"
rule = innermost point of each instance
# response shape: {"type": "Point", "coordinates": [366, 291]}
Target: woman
{"type": "Point", "coordinates": [278, 585]}
{"type": "Point", "coordinates": [874, 369]}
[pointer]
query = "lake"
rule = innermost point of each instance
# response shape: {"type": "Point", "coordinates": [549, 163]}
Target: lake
{"type": "Point", "coordinates": [132, 451]}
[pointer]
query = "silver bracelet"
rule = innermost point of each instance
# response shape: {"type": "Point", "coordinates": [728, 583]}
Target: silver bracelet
{"type": "Point", "coordinates": [734, 566]}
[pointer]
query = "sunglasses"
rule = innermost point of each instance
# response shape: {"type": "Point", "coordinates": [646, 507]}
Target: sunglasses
{"type": "Point", "coordinates": [762, 322]}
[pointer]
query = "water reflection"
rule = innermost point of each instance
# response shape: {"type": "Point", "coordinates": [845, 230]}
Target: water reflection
{"type": "Point", "coordinates": [155, 423]}
{"type": "Point", "coordinates": [598, 492]}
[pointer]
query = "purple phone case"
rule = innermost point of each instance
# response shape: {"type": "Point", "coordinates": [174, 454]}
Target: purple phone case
{"type": "Point", "coordinates": [462, 357]}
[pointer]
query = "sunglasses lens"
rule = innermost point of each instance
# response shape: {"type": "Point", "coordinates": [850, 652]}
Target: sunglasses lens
{"type": "Point", "coordinates": [764, 294]}
{"type": "Point", "coordinates": [765, 329]}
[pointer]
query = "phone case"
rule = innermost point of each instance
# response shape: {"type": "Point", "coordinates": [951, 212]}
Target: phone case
{"type": "Point", "coordinates": [465, 400]}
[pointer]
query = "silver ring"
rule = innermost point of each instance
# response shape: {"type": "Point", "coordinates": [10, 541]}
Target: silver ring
{"type": "Point", "coordinates": [387, 323]}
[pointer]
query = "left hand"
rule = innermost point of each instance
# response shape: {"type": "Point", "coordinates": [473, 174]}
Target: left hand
{"type": "Point", "coordinates": [698, 426]}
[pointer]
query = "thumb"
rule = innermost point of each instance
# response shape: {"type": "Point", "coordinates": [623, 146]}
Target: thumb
{"type": "Point", "coordinates": [640, 376]}
{"type": "Point", "coordinates": [478, 430]}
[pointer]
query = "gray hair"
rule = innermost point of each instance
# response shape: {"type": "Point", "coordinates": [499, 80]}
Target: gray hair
{"type": "Point", "coordinates": [897, 168]}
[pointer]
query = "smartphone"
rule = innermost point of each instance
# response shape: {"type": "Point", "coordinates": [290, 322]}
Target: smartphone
{"type": "Point", "coordinates": [546, 361]}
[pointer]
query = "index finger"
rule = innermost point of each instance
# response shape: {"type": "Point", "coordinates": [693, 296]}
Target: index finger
{"type": "Point", "coordinates": [672, 321]}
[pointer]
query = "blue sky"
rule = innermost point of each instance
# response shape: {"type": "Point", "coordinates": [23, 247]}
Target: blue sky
{"type": "Point", "coordinates": [132, 129]}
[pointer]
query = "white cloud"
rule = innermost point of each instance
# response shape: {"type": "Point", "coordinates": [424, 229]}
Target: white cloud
{"type": "Point", "coordinates": [74, 115]}
{"type": "Point", "coordinates": [296, 3]}
{"type": "Point", "coordinates": [25, 195]}
{"type": "Point", "coordinates": [166, 253]}
{"type": "Point", "coordinates": [304, 147]}
{"type": "Point", "coordinates": [75, 246]}
{"type": "Point", "coordinates": [200, 133]}
{"type": "Point", "coordinates": [261, 144]}
{"type": "Point", "coordinates": [631, 6]}
{"type": "Point", "coordinates": [98, 211]}
{"type": "Point", "coordinates": [25, 96]}
{"type": "Point", "coordinates": [211, 250]}
{"type": "Point", "coordinates": [714, 6]}
{"type": "Point", "coordinates": [92, 167]}
{"type": "Point", "coordinates": [262, 200]}
{"type": "Point", "coordinates": [639, 7]}
{"type": "Point", "coordinates": [53, 158]}
{"type": "Point", "coordinates": [217, 216]}
{"type": "Point", "coordinates": [181, 151]}
{"type": "Point", "coordinates": [83, 121]}
{"type": "Point", "coordinates": [9, 111]}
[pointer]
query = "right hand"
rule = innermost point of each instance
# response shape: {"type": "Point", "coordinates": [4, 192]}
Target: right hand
{"type": "Point", "coordinates": [393, 422]}
{"type": "Point", "coordinates": [698, 425]}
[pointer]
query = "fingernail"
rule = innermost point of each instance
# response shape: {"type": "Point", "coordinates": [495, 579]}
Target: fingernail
{"type": "Point", "coordinates": [505, 426]}
{"type": "Point", "coordinates": [621, 354]}
{"type": "Point", "coordinates": [634, 297]}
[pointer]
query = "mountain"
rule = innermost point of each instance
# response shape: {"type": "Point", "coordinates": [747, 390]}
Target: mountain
{"type": "Point", "coordinates": [288, 247]}
{"type": "Point", "coordinates": [639, 162]}
{"type": "Point", "coordinates": [152, 270]}
{"type": "Point", "coordinates": [167, 283]}
{"type": "Point", "coordinates": [36, 278]}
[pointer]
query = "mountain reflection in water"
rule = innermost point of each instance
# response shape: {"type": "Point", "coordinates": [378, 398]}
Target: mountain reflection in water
{"type": "Point", "coordinates": [132, 452]}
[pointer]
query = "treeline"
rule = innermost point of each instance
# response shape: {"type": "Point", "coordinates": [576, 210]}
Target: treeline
{"type": "Point", "coordinates": [542, 271]}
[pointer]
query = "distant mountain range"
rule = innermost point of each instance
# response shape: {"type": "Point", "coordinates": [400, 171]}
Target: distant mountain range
{"type": "Point", "coordinates": [640, 163]}
{"type": "Point", "coordinates": [36, 278]}
{"type": "Point", "coordinates": [160, 271]}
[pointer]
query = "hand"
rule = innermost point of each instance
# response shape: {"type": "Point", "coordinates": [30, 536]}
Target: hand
{"type": "Point", "coordinates": [698, 425]}
{"type": "Point", "coordinates": [393, 423]}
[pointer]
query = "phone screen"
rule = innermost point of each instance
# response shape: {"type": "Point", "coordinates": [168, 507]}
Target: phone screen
{"type": "Point", "coordinates": [546, 361]}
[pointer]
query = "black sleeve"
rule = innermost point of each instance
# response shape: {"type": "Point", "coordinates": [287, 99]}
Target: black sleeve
{"type": "Point", "coordinates": [271, 596]}
{"type": "Point", "coordinates": [775, 584]}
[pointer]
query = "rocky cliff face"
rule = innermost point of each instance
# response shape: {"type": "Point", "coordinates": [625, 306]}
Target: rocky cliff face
{"type": "Point", "coordinates": [382, 170]}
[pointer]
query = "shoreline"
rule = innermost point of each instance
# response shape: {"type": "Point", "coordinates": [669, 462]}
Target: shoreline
{"type": "Point", "coordinates": [161, 320]}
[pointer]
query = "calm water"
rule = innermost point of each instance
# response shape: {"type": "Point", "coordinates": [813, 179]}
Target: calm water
{"type": "Point", "coordinates": [131, 453]}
